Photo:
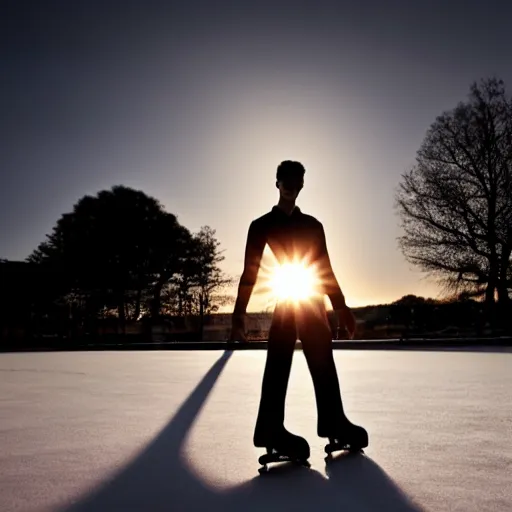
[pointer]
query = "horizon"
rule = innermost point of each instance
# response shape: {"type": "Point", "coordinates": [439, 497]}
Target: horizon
{"type": "Point", "coordinates": [197, 105]}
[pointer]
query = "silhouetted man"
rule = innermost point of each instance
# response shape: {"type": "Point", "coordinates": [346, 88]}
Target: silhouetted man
{"type": "Point", "coordinates": [293, 235]}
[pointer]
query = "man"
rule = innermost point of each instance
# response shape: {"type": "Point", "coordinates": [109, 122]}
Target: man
{"type": "Point", "coordinates": [292, 235]}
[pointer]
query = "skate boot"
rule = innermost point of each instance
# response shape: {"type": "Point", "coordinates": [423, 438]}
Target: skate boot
{"type": "Point", "coordinates": [351, 438]}
{"type": "Point", "coordinates": [283, 447]}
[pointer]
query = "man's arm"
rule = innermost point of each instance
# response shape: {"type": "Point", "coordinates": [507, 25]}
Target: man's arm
{"type": "Point", "coordinates": [330, 283]}
{"type": "Point", "coordinates": [256, 241]}
{"type": "Point", "coordinates": [332, 288]}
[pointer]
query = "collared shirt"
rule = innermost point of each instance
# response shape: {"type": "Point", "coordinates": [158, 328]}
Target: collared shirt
{"type": "Point", "coordinates": [292, 237]}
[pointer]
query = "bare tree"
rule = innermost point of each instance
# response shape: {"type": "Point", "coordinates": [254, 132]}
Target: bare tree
{"type": "Point", "coordinates": [209, 282]}
{"type": "Point", "coordinates": [200, 288]}
{"type": "Point", "coordinates": [455, 204]}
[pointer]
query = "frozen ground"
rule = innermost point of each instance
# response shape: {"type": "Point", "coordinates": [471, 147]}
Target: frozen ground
{"type": "Point", "coordinates": [151, 431]}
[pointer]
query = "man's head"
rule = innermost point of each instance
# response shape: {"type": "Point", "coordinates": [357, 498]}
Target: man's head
{"type": "Point", "coordinates": [290, 179]}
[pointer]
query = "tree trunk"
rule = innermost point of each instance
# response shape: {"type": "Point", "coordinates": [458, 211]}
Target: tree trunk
{"type": "Point", "coordinates": [492, 282]}
{"type": "Point", "coordinates": [201, 317]}
{"type": "Point", "coordinates": [121, 312]}
{"type": "Point", "coordinates": [137, 303]}
{"type": "Point", "coordinates": [503, 297]}
{"type": "Point", "coordinates": [489, 292]}
{"type": "Point", "coordinates": [156, 302]}
{"type": "Point", "coordinates": [504, 302]}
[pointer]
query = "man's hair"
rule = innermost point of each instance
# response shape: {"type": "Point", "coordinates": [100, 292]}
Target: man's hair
{"type": "Point", "coordinates": [290, 169]}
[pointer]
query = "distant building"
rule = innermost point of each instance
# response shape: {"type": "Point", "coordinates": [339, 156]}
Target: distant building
{"type": "Point", "coordinates": [218, 327]}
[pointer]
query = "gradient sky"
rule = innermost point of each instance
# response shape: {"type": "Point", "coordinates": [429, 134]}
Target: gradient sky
{"type": "Point", "coordinates": [196, 102]}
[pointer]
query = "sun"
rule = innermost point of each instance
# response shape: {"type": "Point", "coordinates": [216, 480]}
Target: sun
{"type": "Point", "coordinates": [293, 282]}
{"type": "Point", "coordinates": [289, 279]}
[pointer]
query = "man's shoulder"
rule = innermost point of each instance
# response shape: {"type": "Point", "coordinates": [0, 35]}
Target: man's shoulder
{"type": "Point", "coordinates": [263, 220]}
{"type": "Point", "coordinates": [260, 226]}
{"type": "Point", "coordinates": [311, 220]}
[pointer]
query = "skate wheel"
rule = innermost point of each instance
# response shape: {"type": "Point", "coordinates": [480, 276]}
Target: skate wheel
{"type": "Point", "coordinates": [263, 470]}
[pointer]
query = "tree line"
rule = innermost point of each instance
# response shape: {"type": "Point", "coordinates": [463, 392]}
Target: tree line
{"type": "Point", "coordinates": [119, 254]}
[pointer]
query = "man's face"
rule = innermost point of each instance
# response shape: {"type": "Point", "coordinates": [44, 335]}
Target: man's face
{"type": "Point", "coordinates": [289, 188]}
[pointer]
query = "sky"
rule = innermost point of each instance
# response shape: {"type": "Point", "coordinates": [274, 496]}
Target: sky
{"type": "Point", "coordinates": [197, 102]}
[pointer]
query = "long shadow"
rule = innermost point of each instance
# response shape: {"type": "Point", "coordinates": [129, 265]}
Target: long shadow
{"type": "Point", "coordinates": [354, 483]}
{"type": "Point", "coordinates": [362, 480]}
{"type": "Point", "coordinates": [161, 478]}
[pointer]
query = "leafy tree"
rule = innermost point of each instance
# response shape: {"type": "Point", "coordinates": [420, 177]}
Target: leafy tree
{"type": "Point", "coordinates": [455, 204]}
{"type": "Point", "coordinates": [113, 248]}
{"type": "Point", "coordinates": [169, 258]}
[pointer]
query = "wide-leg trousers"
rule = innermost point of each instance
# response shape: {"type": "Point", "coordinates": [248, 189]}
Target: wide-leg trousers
{"type": "Point", "coordinates": [308, 322]}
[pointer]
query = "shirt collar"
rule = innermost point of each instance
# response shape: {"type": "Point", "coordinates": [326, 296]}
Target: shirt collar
{"type": "Point", "coordinates": [295, 211]}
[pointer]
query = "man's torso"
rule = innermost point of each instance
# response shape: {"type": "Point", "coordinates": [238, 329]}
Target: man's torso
{"type": "Point", "coordinates": [290, 237]}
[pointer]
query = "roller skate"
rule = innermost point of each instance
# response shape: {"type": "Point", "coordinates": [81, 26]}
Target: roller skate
{"type": "Point", "coordinates": [350, 438]}
{"type": "Point", "coordinates": [283, 447]}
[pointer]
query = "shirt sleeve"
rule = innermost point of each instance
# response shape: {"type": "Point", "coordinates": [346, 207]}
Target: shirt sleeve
{"type": "Point", "coordinates": [329, 282]}
{"type": "Point", "coordinates": [256, 241]}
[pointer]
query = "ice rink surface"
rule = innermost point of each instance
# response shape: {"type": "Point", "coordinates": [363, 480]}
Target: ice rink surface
{"type": "Point", "coordinates": [155, 431]}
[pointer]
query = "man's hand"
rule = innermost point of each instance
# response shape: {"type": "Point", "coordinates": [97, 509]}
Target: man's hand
{"type": "Point", "coordinates": [238, 328]}
{"type": "Point", "coordinates": [346, 320]}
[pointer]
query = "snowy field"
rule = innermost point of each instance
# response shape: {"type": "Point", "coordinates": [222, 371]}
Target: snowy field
{"type": "Point", "coordinates": [151, 431]}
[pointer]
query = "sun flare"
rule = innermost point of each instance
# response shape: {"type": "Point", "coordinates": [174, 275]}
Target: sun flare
{"type": "Point", "coordinates": [293, 282]}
